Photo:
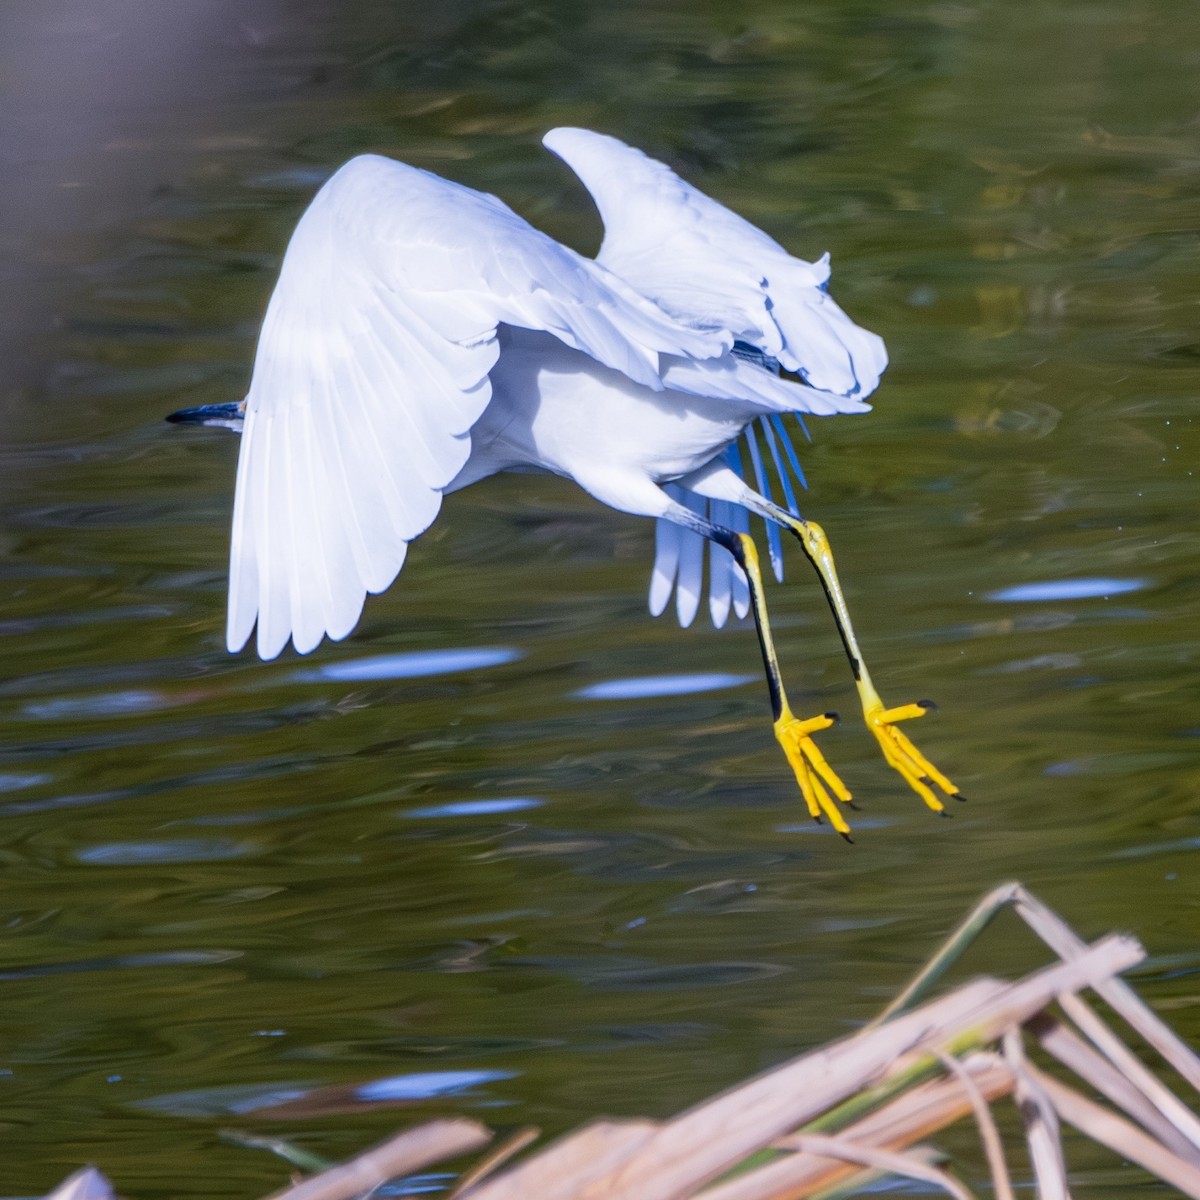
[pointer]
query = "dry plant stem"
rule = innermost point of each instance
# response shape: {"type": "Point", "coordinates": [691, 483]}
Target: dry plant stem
{"type": "Point", "coordinates": [295, 1155]}
{"type": "Point", "coordinates": [1067, 944]}
{"type": "Point", "coordinates": [989, 1135]}
{"type": "Point", "coordinates": [495, 1159]}
{"type": "Point", "coordinates": [889, 1161]}
{"type": "Point", "coordinates": [920, 1112]}
{"type": "Point", "coordinates": [85, 1184]}
{"type": "Point", "coordinates": [863, 1182]}
{"type": "Point", "coordinates": [1076, 1055]}
{"type": "Point", "coordinates": [1131, 1067]}
{"type": "Point", "coordinates": [1019, 1001]}
{"type": "Point", "coordinates": [1119, 1135]}
{"type": "Point", "coordinates": [948, 953]}
{"type": "Point", "coordinates": [704, 1142]}
{"type": "Point", "coordinates": [1041, 1123]}
{"type": "Point", "coordinates": [728, 1128]}
{"type": "Point", "coordinates": [574, 1166]}
{"type": "Point", "coordinates": [408, 1151]}
{"type": "Point", "coordinates": [1123, 1000]}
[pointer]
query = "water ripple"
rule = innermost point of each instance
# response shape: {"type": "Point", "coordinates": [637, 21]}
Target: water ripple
{"type": "Point", "coordinates": [1098, 587]}
{"type": "Point", "coordinates": [415, 665]}
{"type": "Point", "coordinates": [14, 783]}
{"type": "Point", "coordinates": [645, 687]}
{"type": "Point", "coordinates": [181, 850]}
{"type": "Point", "coordinates": [476, 808]}
{"type": "Point", "coordinates": [427, 1084]}
{"type": "Point", "coordinates": [116, 962]}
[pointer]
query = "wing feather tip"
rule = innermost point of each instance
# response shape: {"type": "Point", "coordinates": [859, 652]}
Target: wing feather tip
{"type": "Point", "coordinates": [236, 636]}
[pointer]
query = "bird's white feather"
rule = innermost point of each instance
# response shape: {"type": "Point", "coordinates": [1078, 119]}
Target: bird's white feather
{"type": "Point", "coordinates": [666, 565]}
{"type": "Point", "coordinates": [737, 379]}
{"type": "Point", "coordinates": [720, 571]}
{"type": "Point", "coordinates": [689, 584]}
{"type": "Point", "coordinates": [700, 261]}
{"type": "Point", "coordinates": [726, 582]}
{"type": "Point", "coordinates": [371, 369]}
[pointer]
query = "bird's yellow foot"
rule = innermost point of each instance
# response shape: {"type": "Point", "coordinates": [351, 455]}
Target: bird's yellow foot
{"type": "Point", "coordinates": [814, 775]}
{"type": "Point", "coordinates": [918, 772]}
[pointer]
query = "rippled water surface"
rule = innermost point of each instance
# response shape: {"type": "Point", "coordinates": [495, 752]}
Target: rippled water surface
{"type": "Point", "coordinates": [516, 848]}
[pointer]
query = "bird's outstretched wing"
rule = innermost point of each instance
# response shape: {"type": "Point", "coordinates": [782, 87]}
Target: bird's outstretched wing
{"type": "Point", "coordinates": [700, 261]}
{"type": "Point", "coordinates": [371, 368]}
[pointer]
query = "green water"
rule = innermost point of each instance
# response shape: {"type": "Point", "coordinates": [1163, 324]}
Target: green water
{"type": "Point", "coordinates": [225, 881]}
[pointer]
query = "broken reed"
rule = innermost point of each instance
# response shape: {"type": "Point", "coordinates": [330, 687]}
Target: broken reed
{"type": "Point", "coordinates": [856, 1109]}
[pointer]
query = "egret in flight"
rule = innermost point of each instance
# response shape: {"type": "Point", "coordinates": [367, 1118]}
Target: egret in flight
{"type": "Point", "coordinates": [422, 337]}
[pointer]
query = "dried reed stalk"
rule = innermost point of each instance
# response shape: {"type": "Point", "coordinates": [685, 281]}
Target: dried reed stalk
{"type": "Point", "coordinates": [679, 1157]}
{"type": "Point", "coordinates": [1131, 1067]}
{"type": "Point", "coordinates": [1076, 1055]}
{"type": "Point", "coordinates": [85, 1184]}
{"type": "Point", "coordinates": [907, 1166]}
{"type": "Point", "coordinates": [1067, 944]}
{"type": "Point", "coordinates": [1040, 1120]}
{"type": "Point", "coordinates": [926, 1109]}
{"type": "Point", "coordinates": [572, 1166]}
{"type": "Point", "coordinates": [989, 1135]}
{"type": "Point", "coordinates": [495, 1159]}
{"type": "Point", "coordinates": [400, 1155]}
{"type": "Point", "coordinates": [859, 1106]}
{"type": "Point", "coordinates": [1119, 1135]}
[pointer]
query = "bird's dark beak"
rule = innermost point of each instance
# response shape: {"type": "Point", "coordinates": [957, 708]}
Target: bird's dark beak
{"type": "Point", "coordinates": [227, 416]}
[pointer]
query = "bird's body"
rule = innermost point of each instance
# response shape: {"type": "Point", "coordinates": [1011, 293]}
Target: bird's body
{"type": "Point", "coordinates": [423, 337]}
{"type": "Point", "coordinates": [558, 409]}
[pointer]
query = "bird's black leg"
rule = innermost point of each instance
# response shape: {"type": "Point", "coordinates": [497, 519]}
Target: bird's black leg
{"type": "Point", "coordinates": [898, 748]}
{"type": "Point", "coordinates": [816, 778]}
{"type": "Point", "coordinates": [718, 482]}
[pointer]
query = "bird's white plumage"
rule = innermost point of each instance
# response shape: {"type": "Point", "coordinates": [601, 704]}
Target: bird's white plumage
{"type": "Point", "coordinates": [371, 369]}
{"type": "Point", "coordinates": [393, 367]}
{"type": "Point", "coordinates": [701, 261]}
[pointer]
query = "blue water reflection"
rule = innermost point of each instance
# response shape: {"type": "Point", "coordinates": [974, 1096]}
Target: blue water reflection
{"type": "Point", "coordinates": [182, 850]}
{"type": "Point", "coordinates": [427, 1084]}
{"type": "Point", "coordinates": [647, 687]}
{"type": "Point", "coordinates": [15, 782]}
{"type": "Point", "coordinates": [218, 1101]}
{"type": "Point", "coordinates": [476, 808]}
{"type": "Point", "coordinates": [1068, 589]}
{"type": "Point", "coordinates": [109, 704]}
{"type": "Point", "coordinates": [416, 664]}
{"type": "Point", "coordinates": [299, 1096]}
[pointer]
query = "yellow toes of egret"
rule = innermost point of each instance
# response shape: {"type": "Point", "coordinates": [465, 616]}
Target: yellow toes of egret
{"type": "Point", "coordinates": [816, 777]}
{"type": "Point", "coordinates": [917, 771]}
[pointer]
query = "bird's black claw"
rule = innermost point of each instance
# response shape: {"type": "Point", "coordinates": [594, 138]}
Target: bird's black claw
{"type": "Point", "coordinates": [944, 813]}
{"type": "Point", "coordinates": [927, 704]}
{"type": "Point", "coordinates": [847, 839]}
{"type": "Point", "coordinates": [960, 797]}
{"type": "Point", "coordinates": [832, 716]}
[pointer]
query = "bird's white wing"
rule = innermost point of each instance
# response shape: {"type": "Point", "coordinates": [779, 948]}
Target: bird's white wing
{"type": "Point", "coordinates": [371, 368]}
{"type": "Point", "coordinates": [698, 260]}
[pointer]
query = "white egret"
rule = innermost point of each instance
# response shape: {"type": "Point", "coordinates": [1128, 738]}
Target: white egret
{"type": "Point", "coordinates": [422, 337]}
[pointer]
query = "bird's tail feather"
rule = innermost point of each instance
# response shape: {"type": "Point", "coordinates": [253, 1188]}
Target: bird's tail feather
{"type": "Point", "coordinates": [679, 553]}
